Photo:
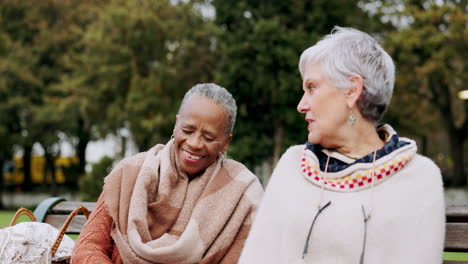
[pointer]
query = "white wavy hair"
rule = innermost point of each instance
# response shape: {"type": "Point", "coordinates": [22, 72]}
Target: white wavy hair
{"type": "Point", "coordinates": [347, 51]}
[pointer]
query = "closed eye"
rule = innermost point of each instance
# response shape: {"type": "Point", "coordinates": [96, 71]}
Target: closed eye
{"type": "Point", "coordinates": [209, 139]}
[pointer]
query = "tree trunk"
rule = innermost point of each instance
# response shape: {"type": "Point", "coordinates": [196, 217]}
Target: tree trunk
{"type": "Point", "coordinates": [83, 139]}
{"type": "Point", "coordinates": [2, 161]}
{"type": "Point", "coordinates": [443, 100]}
{"type": "Point", "coordinates": [27, 182]}
{"type": "Point", "coordinates": [50, 167]}
{"type": "Point", "coordinates": [123, 147]}
{"type": "Point", "coordinates": [424, 145]}
{"type": "Point", "coordinates": [456, 150]}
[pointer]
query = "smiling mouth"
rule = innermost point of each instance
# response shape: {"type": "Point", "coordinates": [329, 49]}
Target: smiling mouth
{"type": "Point", "coordinates": [191, 156]}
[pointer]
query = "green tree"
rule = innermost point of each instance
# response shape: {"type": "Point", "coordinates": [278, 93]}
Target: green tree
{"type": "Point", "coordinates": [20, 86]}
{"type": "Point", "coordinates": [261, 45]}
{"type": "Point", "coordinates": [41, 36]}
{"type": "Point", "coordinates": [138, 60]}
{"type": "Point", "coordinates": [429, 48]}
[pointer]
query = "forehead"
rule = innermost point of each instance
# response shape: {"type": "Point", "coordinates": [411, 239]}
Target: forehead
{"type": "Point", "coordinates": [199, 109]}
{"type": "Point", "coordinates": [313, 72]}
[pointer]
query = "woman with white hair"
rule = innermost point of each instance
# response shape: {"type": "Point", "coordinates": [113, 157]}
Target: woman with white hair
{"type": "Point", "coordinates": [182, 202]}
{"type": "Point", "coordinates": [355, 192]}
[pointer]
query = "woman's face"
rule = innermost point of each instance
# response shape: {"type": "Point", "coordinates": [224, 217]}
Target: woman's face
{"type": "Point", "coordinates": [200, 134]}
{"type": "Point", "coordinates": [324, 106]}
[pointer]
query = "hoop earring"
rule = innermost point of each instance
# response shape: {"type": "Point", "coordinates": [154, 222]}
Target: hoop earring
{"type": "Point", "coordinates": [351, 118]}
{"type": "Point", "coordinates": [223, 157]}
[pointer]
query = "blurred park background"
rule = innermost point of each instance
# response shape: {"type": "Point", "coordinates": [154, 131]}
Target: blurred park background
{"type": "Point", "coordinates": [84, 83]}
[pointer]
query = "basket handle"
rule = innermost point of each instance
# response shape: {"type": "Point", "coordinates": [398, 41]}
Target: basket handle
{"type": "Point", "coordinates": [80, 209]}
{"type": "Point", "coordinates": [20, 212]}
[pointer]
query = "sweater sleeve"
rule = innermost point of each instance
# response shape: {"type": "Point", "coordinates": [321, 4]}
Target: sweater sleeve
{"type": "Point", "coordinates": [95, 244]}
{"type": "Point", "coordinates": [430, 221]}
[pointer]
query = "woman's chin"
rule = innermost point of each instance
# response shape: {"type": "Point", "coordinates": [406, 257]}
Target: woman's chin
{"type": "Point", "coordinates": [313, 139]}
{"type": "Point", "coordinates": [191, 170]}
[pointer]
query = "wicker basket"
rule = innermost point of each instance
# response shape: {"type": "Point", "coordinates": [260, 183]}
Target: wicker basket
{"type": "Point", "coordinates": [63, 229]}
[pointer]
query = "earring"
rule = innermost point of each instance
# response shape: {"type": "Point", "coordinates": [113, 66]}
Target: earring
{"type": "Point", "coordinates": [223, 157]}
{"type": "Point", "coordinates": [351, 118]}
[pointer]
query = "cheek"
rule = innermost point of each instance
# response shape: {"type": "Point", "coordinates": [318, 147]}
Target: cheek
{"type": "Point", "coordinates": [214, 150]}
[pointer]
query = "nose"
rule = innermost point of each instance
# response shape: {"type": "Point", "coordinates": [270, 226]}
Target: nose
{"type": "Point", "coordinates": [302, 107]}
{"type": "Point", "coordinates": [194, 141]}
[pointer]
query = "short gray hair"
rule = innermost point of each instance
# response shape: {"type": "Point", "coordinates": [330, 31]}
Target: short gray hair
{"type": "Point", "coordinates": [348, 51]}
{"type": "Point", "coordinates": [218, 94]}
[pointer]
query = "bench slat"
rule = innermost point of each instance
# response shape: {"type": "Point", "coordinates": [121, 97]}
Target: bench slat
{"type": "Point", "coordinates": [456, 237]}
{"type": "Point", "coordinates": [75, 226]}
{"type": "Point", "coordinates": [456, 211]}
{"type": "Point", "coordinates": [43, 208]}
{"type": "Point", "coordinates": [67, 207]}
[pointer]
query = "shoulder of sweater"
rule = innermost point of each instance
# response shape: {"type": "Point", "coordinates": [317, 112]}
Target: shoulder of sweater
{"type": "Point", "coordinates": [136, 159]}
{"type": "Point", "coordinates": [293, 151]}
{"type": "Point", "coordinates": [424, 171]}
{"type": "Point", "coordinates": [283, 169]}
{"type": "Point", "coordinates": [292, 154]}
{"type": "Point", "coordinates": [424, 164]}
{"type": "Point", "coordinates": [239, 171]}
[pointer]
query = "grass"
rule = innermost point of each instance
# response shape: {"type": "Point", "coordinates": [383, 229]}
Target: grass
{"type": "Point", "coordinates": [6, 216]}
{"type": "Point", "coordinates": [455, 256]}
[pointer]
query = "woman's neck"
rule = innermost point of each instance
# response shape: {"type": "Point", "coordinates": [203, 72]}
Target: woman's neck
{"type": "Point", "coordinates": [360, 140]}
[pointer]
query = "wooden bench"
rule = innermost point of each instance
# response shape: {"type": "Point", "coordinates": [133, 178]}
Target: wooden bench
{"type": "Point", "coordinates": [56, 210]}
{"type": "Point", "coordinates": [456, 230]}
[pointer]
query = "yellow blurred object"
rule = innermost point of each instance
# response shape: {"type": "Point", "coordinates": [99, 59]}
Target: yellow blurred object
{"type": "Point", "coordinates": [13, 173]}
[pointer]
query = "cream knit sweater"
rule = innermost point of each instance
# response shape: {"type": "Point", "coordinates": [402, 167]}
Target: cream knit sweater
{"type": "Point", "coordinates": [407, 223]}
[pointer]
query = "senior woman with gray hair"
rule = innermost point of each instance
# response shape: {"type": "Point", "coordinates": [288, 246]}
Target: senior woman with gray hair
{"type": "Point", "coordinates": [355, 192]}
{"type": "Point", "coordinates": [182, 202]}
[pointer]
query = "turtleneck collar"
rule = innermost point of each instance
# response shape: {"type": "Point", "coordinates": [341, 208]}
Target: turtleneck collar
{"type": "Point", "coordinates": [340, 162]}
{"type": "Point", "coordinates": [347, 174]}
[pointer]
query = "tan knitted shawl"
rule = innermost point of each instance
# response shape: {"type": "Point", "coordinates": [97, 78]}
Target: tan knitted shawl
{"type": "Point", "coordinates": [160, 216]}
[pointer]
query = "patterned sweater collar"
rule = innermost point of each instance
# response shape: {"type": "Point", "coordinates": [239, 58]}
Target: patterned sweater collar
{"type": "Point", "coordinates": [347, 174]}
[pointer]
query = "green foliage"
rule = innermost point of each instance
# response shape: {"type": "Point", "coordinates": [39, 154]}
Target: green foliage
{"type": "Point", "coordinates": [91, 184]}
{"type": "Point", "coordinates": [138, 59]}
{"type": "Point", "coordinates": [261, 45]}
{"type": "Point", "coordinates": [88, 68]}
{"type": "Point", "coordinates": [431, 56]}
{"type": "Point", "coordinates": [38, 38]}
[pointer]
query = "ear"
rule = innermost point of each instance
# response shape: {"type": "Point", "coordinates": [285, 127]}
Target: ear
{"type": "Point", "coordinates": [354, 92]}
{"type": "Point", "coordinates": [226, 143]}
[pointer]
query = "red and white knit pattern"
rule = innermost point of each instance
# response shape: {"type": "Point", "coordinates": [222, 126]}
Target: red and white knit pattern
{"type": "Point", "coordinates": [356, 181]}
